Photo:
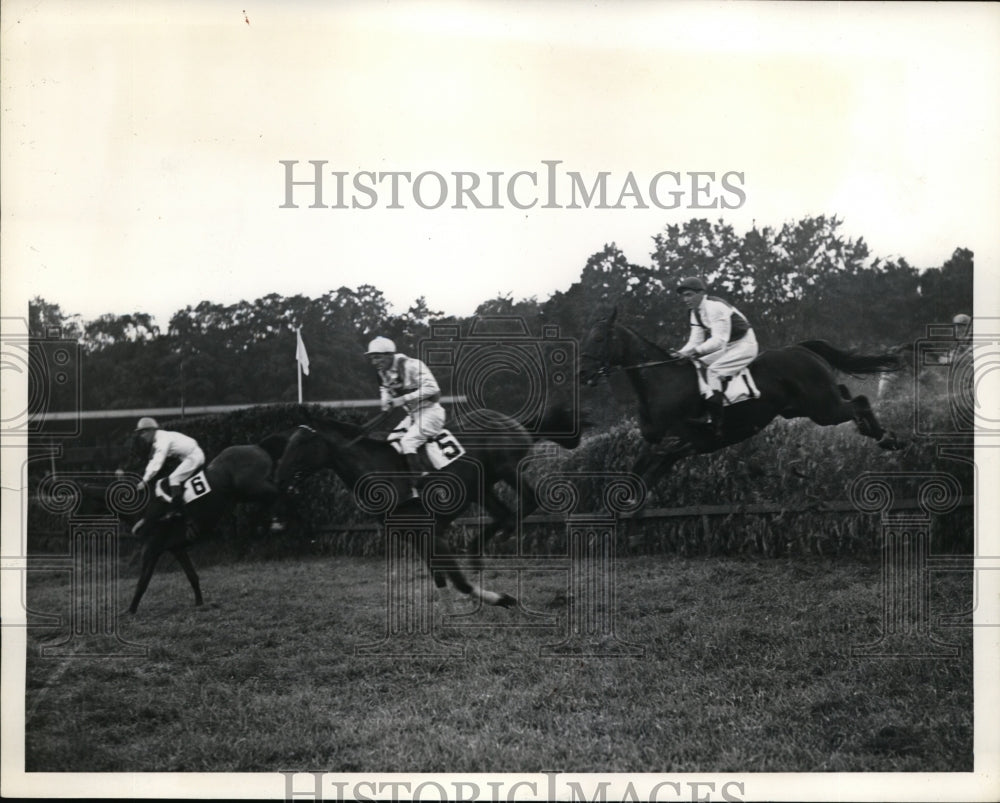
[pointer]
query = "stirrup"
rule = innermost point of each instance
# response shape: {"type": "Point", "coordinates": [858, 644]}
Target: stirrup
{"type": "Point", "coordinates": [703, 420]}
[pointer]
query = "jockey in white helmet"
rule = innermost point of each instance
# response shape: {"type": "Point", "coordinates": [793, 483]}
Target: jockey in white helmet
{"type": "Point", "coordinates": [169, 444]}
{"type": "Point", "coordinates": [408, 383]}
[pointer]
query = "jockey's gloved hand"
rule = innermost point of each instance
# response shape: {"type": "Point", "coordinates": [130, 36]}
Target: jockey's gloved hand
{"type": "Point", "coordinates": [399, 401]}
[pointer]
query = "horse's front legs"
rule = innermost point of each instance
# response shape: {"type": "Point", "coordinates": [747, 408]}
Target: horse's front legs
{"type": "Point", "coordinates": [150, 554]}
{"type": "Point", "coordinates": [165, 536]}
{"type": "Point", "coordinates": [657, 459]}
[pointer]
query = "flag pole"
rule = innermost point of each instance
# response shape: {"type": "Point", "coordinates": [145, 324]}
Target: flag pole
{"type": "Point", "coordinates": [298, 362]}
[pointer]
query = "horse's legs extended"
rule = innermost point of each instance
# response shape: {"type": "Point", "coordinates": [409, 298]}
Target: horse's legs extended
{"type": "Point", "coordinates": [150, 554]}
{"type": "Point", "coordinates": [869, 425]}
{"type": "Point", "coordinates": [441, 562]}
{"type": "Point", "coordinates": [657, 459]}
{"type": "Point", "coordinates": [180, 553]}
{"type": "Point", "coordinates": [859, 410]}
{"type": "Point", "coordinates": [503, 519]}
{"type": "Point", "coordinates": [163, 538]}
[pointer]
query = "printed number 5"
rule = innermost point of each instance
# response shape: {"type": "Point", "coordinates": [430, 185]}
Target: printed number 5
{"type": "Point", "coordinates": [449, 448]}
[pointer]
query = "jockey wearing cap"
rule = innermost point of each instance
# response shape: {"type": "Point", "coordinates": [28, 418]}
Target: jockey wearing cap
{"type": "Point", "coordinates": [408, 383]}
{"type": "Point", "coordinates": [963, 337]}
{"type": "Point", "coordinates": [721, 340]}
{"type": "Point", "coordinates": [169, 444]}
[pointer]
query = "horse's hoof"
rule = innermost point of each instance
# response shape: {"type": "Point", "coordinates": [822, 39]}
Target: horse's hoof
{"type": "Point", "coordinates": [890, 442]}
{"type": "Point", "coordinates": [507, 601]}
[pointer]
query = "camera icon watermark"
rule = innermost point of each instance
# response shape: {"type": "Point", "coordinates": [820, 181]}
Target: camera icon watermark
{"type": "Point", "coordinates": [499, 366]}
{"type": "Point", "coordinates": [91, 504]}
{"type": "Point", "coordinates": [50, 365]}
{"type": "Point", "coordinates": [956, 375]}
{"type": "Point", "coordinates": [908, 563]}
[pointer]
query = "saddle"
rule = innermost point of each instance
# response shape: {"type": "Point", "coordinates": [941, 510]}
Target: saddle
{"type": "Point", "coordinates": [735, 389]}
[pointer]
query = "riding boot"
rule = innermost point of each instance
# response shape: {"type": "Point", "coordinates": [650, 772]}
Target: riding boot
{"type": "Point", "coordinates": [177, 509]}
{"type": "Point", "coordinates": [715, 411]}
{"type": "Point", "coordinates": [177, 499]}
{"type": "Point", "coordinates": [703, 418]}
{"type": "Point", "coordinates": [417, 473]}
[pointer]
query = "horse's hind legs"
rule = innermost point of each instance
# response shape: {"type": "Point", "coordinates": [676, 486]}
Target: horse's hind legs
{"type": "Point", "coordinates": [868, 424]}
{"type": "Point", "coordinates": [185, 561]}
{"type": "Point", "coordinates": [471, 590]}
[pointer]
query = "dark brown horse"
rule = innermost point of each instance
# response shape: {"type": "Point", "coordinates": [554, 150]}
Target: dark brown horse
{"type": "Point", "coordinates": [238, 474]}
{"type": "Point", "coordinates": [794, 382]}
{"type": "Point", "coordinates": [358, 460]}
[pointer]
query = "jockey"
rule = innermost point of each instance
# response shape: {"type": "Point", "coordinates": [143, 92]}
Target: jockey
{"type": "Point", "coordinates": [721, 340]}
{"type": "Point", "coordinates": [408, 383]}
{"type": "Point", "coordinates": [963, 336]}
{"type": "Point", "coordinates": [169, 444]}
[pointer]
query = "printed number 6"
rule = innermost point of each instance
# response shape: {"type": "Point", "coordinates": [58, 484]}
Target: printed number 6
{"type": "Point", "coordinates": [449, 448]}
{"type": "Point", "coordinates": [198, 486]}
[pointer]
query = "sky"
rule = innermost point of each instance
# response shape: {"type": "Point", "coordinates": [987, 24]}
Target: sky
{"type": "Point", "coordinates": [143, 143]}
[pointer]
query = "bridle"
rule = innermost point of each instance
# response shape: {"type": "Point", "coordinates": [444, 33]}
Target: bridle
{"type": "Point", "coordinates": [605, 367]}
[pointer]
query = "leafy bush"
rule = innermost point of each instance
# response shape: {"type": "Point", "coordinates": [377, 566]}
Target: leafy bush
{"type": "Point", "coordinates": [796, 466]}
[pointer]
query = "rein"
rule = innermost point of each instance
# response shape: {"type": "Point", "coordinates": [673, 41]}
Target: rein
{"type": "Point", "coordinates": [652, 364]}
{"type": "Point", "coordinates": [607, 368]}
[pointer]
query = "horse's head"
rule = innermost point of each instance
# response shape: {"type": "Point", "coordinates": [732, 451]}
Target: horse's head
{"type": "Point", "coordinates": [305, 453]}
{"type": "Point", "coordinates": [598, 352]}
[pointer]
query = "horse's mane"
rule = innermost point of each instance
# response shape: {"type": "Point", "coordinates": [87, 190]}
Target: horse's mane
{"type": "Point", "coordinates": [343, 429]}
{"type": "Point", "coordinates": [275, 443]}
{"type": "Point", "coordinates": [463, 420]}
{"type": "Point", "coordinates": [658, 350]}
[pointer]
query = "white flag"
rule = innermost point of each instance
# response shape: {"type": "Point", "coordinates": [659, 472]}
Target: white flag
{"type": "Point", "coordinates": [300, 352]}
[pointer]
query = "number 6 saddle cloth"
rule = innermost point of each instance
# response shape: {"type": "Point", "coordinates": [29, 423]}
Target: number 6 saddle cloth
{"type": "Point", "coordinates": [195, 487]}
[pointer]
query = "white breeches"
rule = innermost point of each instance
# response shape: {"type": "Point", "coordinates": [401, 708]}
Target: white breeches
{"type": "Point", "coordinates": [729, 361]}
{"type": "Point", "coordinates": [421, 425]}
{"type": "Point", "coordinates": [188, 466]}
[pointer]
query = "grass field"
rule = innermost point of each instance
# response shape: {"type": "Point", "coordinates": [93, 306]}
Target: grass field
{"type": "Point", "coordinates": [746, 666]}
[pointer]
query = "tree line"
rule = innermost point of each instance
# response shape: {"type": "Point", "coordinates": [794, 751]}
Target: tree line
{"type": "Point", "coordinates": [804, 280]}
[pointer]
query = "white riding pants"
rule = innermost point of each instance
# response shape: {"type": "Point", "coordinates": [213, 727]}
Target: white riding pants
{"type": "Point", "coordinates": [728, 361]}
{"type": "Point", "coordinates": [188, 466]}
{"type": "Point", "coordinates": [421, 425]}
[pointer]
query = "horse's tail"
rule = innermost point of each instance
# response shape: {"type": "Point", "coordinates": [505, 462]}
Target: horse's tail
{"type": "Point", "coordinates": [850, 362]}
